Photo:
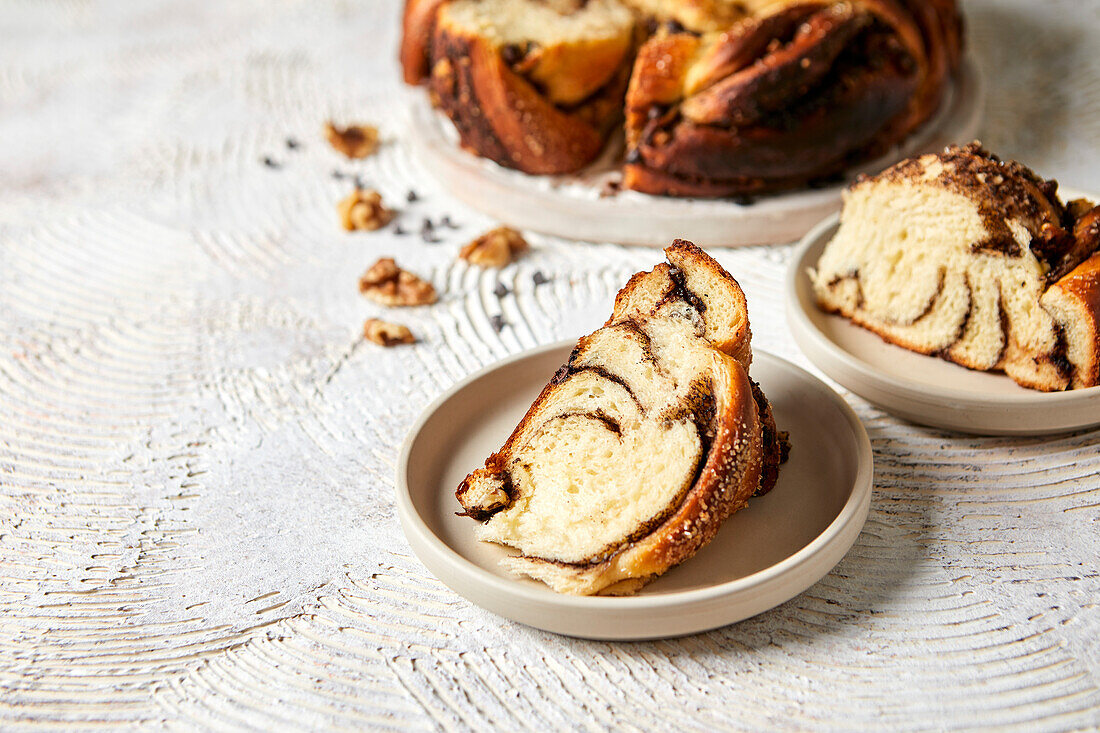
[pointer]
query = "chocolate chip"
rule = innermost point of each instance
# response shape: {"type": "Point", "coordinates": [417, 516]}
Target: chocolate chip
{"type": "Point", "coordinates": [427, 225]}
{"type": "Point", "coordinates": [399, 230]}
{"type": "Point", "coordinates": [497, 321]}
{"type": "Point", "coordinates": [339, 175]}
{"type": "Point", "coordinates": [501, 290]}
{"type": "Point", "coordinates": [835, 179]}
{"type": "Point", "coordinates": [292, 144]}
{"type": "Point", "coordinates": [412, 196]}
{"type": "Point", "coordinates": [446, 221]}
{"type": "Point", "coordinates": [513, 53]}
{"type": "Point", "coordinates": [359, 182]}
{"type": "Point", "coordinates": [270, 162]}
{"type": "Point", "coordinates": [539, 278]}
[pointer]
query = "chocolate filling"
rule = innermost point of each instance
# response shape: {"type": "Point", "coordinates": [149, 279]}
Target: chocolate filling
{"type": "Point", "coordinates": [609, 422]}
{"type": "Point", "coordinates": [1059, 355]}
{"type": "Point", "coordinates": [569, 370]}
{"type": "Point", "coordinates": [483, 513]}
{"type": "Point", "coordinates": [683, 292]}
{"type": "Point", "coordinates": [1003, 315]}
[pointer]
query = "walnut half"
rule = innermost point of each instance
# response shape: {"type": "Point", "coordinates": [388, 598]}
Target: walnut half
{"type": "Point", "coordinates": [354, 141]}
{"type": "Point", "coordinates": [386, 283]}
{"type": "Point", "coordinates": [494, 248]}
{"type": "Point", "coordinates": [363, 210]}
{"type": "Point", "coordinates": [385, 333]}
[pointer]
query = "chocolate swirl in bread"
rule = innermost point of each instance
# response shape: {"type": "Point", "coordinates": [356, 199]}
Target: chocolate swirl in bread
{"type": "Point", "coordinates": [640, 445]}
{"type": "Point", "coordinates": [974, 259]}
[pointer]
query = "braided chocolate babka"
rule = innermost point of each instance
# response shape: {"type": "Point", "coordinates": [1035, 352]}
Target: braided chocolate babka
{"type": "Point", "coordinates": [974, 259]}
{"type": "Point", "coordinates": [641, 445]}
{"type": "Point", "coordinates": [719, 97]}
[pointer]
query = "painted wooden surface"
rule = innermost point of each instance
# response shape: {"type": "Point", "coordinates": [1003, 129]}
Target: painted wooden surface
{"type": "Point", "coordinates": [196, 449]}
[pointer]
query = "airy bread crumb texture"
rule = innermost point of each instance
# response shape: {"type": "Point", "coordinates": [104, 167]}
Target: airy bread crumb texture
{"type": "Point", "coordinates": [918, 259]}
{"type": "Point", "coordinates": [641, 445]}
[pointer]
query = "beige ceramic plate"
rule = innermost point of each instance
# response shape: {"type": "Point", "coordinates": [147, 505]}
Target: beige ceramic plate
{"type": "Point", "coordinates": [921, 388]}
{"type": "Point", "coordinates": [571, 206]}
{"type": "Point", "coordinates": [771, 551]}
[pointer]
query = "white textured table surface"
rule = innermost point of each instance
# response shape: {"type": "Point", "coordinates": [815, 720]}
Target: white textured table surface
{"type": "Point", "coordinates": [196, 451]}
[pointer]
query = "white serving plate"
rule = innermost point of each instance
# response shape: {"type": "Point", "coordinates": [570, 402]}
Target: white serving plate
{"type": "Point", "coordinates": [571, 206]}
{"type": "Point", "coordinates": [923, 389]}
{"type": "Point", "coordinates": [777, 547]}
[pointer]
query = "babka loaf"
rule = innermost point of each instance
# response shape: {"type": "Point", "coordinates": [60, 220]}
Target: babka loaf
{"type": "Point", "coordinates": [725, 97]}
{"type": "Point", "coordinates": [974, 259]}
{"type": "Point", "coordinates": [641, 445]}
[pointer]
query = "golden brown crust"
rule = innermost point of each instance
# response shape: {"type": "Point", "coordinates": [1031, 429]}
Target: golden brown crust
{"type": "Point", "coordinates": [775, 445]}
{"type": "Point", "coordinates": [416, 38]}
{"type": "Point", "coordinates": [745, 117]}
{"type": "Point", "coordinates": [1079, 292]}
{"type": "Point", "coordinates": [703, 160]}
{"type": "Point", "coordinates": [500, 115]}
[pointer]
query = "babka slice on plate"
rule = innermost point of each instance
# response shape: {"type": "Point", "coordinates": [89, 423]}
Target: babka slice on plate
{"type": "Point", "coordinates": [641, 445]}
{"type": "Point", "coordinates": [975, 259]}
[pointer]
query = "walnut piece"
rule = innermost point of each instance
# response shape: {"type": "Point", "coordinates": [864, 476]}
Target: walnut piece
{"type": "Point", "coordinates": [354, 141]}
{"type": "Point", "coordinates": [385, 333]}
{"type": "Point", "coordinates": [494, 248]}
{"type": "Point", "coordinates": [386, 283]}
{"type": "Point", "coordinates": [363, 210]}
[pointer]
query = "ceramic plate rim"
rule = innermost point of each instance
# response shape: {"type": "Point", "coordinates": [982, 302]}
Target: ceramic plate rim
{"type": "Point", "coordinates": [803, 327]}
{"type": "Point", "coordinates": [855, 507]}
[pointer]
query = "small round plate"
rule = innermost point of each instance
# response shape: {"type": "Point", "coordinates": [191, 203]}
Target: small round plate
{"type": "Point", "coordinates": [574, 207]}
{"type": "Point", "coordinates": [767, 553]}
{"type": "Point", "coordinates": [921, 388]}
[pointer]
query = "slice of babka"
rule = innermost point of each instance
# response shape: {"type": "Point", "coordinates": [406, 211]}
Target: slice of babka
{"type": "Point", "coordinates": [535, 85]}
{"type": "Point", "coordinates": [974, 259]}
{"type": "Point", "coordinates": [641, 445]}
